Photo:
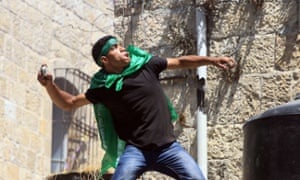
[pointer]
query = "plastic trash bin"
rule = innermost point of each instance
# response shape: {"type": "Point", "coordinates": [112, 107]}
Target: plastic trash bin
{"type": "Point", "coordinates": [272, 144]}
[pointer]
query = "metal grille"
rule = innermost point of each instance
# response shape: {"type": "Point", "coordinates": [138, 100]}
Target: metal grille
{"type": "Point", "coordinates": [75, 140]}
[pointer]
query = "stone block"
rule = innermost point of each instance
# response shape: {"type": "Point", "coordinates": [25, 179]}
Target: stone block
{"type": "Point", "coordinates": [8, 49]}
{"type": "Point", "coordinates": [3, 125]}
{"type": "Point", "coordinates": [44, 129]}
{"type": "Point", "coordinates": [279, 16]}
{"type": "Point", "coordinates": [3, 85]}
{"type": "Point", "coordinates": [21, 158]}
{"type": "Point", "coordinates": [276, 90]}
{"type": "Point", "coordinates": [222, 169]}
{"type": "Point", "coordinates": [23, 136]}
{"type": "Point", "coordinates": [59, 50]}
{"type": "Point", "coordinates": [229, 18]}
{"type": "Point", "coordinates": [10, 73]}
{"type": "Point", "coordinates": [18, 94]}
{"type": "Point", "coordinates": [31, 160]}
{"type": "Point", "coordinates": [27, 12]}
{"type": "Point", "coordinates": [160, 28]}
{"type": "Point", "coordinates": [253, 54]}
{"type": "Point", "coordinates": [29, 120]}
{"type": "Point", "coordinates": [233, 102]}
{"type": "Point", "coordinates": [31, 64]}
{"type": "Point", "coordinates": [33, 102]}
{"type": "Point", "coordinates": [5, 20]}
{"type": "Point", "coordinates": [2, 39]}
{"type": "Point", "coordinates": [13, 171]}
{"type": "Point", "coordinates": [295, 84]}
{"type": "Point", "coordinates": [225, 141]}
{"type": "Point", "coordinates": [34, 36]}
{"type": "Point", "coordinates": [36, 143]}
{"type": "Point", "coordinates": [18, 53]}
{"type": "Point", "coordinates": [10, 110]}
{"type": "Point", "coordinates": [139, 7]}
{"type": "Point", "coordinates": [4, 154]}
{"type": "Point", "coordinates": [165, 4]}
{"type": "Point", "coordinates": [25, 173]}
{"type": "Point", "coordinates": [3, 170]}
{"type": "Point", "coordinates": [2, 113]}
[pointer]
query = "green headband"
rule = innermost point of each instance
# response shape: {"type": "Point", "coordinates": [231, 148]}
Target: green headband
{"type": "Point", "coordinates": [106, 47]}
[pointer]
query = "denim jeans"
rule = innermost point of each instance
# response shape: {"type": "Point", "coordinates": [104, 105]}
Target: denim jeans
{"type": "Point", "coordinates": [172, 160]}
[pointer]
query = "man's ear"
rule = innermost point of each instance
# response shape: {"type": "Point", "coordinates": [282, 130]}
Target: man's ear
{"type": "Point", "coordinates": [103, 59]}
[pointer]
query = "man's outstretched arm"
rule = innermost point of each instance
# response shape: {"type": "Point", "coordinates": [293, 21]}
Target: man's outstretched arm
{"type": "Point", "coordinates": [193, 61]}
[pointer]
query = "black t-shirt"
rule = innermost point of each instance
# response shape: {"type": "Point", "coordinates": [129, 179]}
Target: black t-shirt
{"type": "Point", "coordinates": [140, 111]}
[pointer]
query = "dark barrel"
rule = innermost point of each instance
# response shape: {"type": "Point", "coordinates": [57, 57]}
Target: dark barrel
{"type": "Point", "coordinates": [272, 144]}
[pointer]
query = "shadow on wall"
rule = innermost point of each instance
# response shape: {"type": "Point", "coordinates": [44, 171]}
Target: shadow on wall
{"type": "Point", "coordinates": [182, 41]}
{"type": "Point", "coordinates": [244, 35]}
{"type": "Point", "coordinates": [290, 30]}
{"type": "Point", "coordinates": [61, 122]}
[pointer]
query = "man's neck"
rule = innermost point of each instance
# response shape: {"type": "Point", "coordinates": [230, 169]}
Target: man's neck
{"type": "Point", "coordinates": [113, 70]}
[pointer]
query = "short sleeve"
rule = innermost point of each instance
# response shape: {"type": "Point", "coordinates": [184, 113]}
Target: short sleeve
{"type": "Point", "coordinates": [91, 95]}
{"type": "Point", "coordinates": [157, 64]}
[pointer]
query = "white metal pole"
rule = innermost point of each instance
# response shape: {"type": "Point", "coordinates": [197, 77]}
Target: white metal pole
{"type": "Point", "coordinates": [201, 74]}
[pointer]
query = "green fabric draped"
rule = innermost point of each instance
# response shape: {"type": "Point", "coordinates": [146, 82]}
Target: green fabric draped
{"type": "Point", "coordinates": [110, 141]}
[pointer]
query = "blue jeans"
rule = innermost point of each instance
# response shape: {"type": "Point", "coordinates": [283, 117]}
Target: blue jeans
{"type": "Point", "coordinates": [172, 160]}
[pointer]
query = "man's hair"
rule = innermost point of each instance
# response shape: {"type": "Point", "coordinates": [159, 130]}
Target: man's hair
{"type": "Point", "coordinates": [98, 47]}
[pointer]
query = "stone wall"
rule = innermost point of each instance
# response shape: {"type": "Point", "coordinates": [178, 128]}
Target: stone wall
{"type": "Point", "coordinates": [262, 37]}
{"type": "Point", "coordinates": [33, 32]}
{"type": "Point", "coordinates": [265, 41]}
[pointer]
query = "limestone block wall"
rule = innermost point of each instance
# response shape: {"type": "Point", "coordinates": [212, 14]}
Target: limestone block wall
{"type": "Point", "coordinates": [262, 37]}
{"type": "Point", "coordinates": [32, 32]}
{"type": "Point", "coordinates": [265, 42]}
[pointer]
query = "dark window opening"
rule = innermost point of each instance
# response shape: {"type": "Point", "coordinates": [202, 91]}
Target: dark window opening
{"type": "Point", "coordinates": [75, 141]}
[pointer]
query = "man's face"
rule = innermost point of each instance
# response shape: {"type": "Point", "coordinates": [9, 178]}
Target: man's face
{"type": "Point", "coordinates": [117, 57]}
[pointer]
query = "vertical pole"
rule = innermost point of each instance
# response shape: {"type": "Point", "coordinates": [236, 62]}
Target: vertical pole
{"type": "Point", "coordinates": [201, 74]}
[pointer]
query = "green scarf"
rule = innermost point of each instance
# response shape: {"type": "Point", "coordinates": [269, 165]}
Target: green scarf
{"type": "Point", "coordinates": [111, 143]}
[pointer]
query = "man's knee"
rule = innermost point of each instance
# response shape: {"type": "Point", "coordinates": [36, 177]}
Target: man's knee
{"type": "Point", "coordinates": [126, 171]}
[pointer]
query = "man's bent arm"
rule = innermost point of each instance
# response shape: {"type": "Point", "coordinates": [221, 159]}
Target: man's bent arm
{"type": "Point", "coordinates": [65, 100]}
{"type": "Point", "coordinates": [61, 98]}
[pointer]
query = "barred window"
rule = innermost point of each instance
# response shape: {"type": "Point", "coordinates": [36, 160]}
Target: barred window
{"type": "Point", "coordinates": [75, 140]}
